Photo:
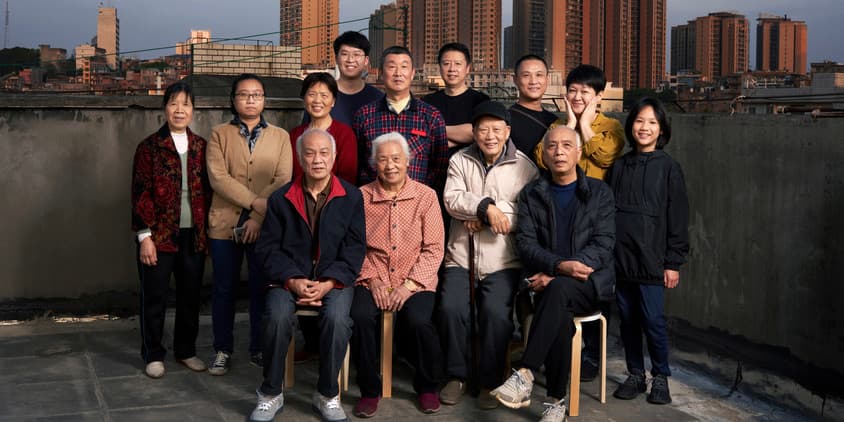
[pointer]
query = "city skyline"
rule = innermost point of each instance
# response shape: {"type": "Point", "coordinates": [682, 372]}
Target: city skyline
{"type": "Point", "coordinates": [69, 23]}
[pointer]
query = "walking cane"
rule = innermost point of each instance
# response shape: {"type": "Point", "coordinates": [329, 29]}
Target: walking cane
{"type": "Point", "coordinates": [473, 340]}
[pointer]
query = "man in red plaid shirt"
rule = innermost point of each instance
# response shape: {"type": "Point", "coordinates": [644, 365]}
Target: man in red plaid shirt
{"type": "Point", "coordinates": [420, 123]}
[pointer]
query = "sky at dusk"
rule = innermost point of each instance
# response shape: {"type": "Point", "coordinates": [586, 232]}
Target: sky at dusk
{"type": "Point", "coordinates": [155, 24]}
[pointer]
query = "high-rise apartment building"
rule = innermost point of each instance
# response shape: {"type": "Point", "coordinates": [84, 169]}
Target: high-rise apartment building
{"type": "Point", "coordinates": [385, 30]}
{"type": "Point", "coordinates": [714, 45]}
{"type": "Point", "coordinates": [312, 26]}
{"type": "Point", "coordinates": [476, 23]}
{"type": "Point", "coordinates": [634, 48]}
{"type": "Point", "coordinates": [683, 48]}
{"type": "Point", "coordinates": [507, 55]}
{"type": "Point", "coordinates": [108, 34]}
{"type": "Point", "coordinates": [528, 28]}
{"type": "Point", "coordinates": [625, 37]}
{"type": "Point", "coordinates": [781, 44]}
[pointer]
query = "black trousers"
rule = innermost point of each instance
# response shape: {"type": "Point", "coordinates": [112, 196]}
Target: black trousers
{"type": "Point", "coordinates": [494, 301]}
{"type": "Point", "coordinates": [414, 328]}
{"type": "Point", "coordinates": [187, 266]}
{"type": "Point", "coordinates": [549, 341]}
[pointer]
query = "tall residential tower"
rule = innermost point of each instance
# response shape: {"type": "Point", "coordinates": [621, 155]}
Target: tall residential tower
{"type": "Point", "coordinates": [312, 26]}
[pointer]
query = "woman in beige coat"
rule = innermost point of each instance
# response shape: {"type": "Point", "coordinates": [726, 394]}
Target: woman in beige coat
{"type": "Point", "coordinates": [248, 159]}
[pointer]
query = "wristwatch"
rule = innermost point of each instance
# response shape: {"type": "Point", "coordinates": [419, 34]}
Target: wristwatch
{"type": "Point", "coordinates": [410, 285]}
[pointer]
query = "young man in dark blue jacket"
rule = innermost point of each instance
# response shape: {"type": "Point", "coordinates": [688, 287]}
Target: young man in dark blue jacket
{"type": "Point", "coordinates": [565, 236]}
{"type": "Point", "coordinates": [312, 244]}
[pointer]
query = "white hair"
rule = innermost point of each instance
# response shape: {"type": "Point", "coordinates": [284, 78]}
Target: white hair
{"type": "Point", "coordinates": [389, 137]}
{"type": "Point", "coordinates": [548, 132]}
{"type": "Point", "coordinates": [308, 132]}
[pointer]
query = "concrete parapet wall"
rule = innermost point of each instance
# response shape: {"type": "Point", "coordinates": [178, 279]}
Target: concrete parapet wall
{"type": "Point", "coordinates": [66, 166]}
{"type": "Point", "coordinates": [765, 192]}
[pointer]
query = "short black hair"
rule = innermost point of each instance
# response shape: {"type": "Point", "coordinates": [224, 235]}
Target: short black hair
{"type": "Point", "coordinates": [176, 88]}
{"type": "Point", "coordinates": [586, 74]}
{"type": "Point", "coordinates": [238, 80]}
{"type": "Point", "coordinates": [396, 49]}
{"type": "Point", "coordinates": [528, 57]}
{"type": "Point", "coordinates": [455, 46]}
{"type": "Point", "coordinates": [661, 118]}
{"type": "Point", "coordinates": [352, 39]}
{"type": "Point", "coordinates": [319, 78]}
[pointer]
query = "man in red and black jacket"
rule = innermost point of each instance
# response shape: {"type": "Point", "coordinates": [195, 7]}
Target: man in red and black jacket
{"type": "Point", "coordinates": [312, 244]}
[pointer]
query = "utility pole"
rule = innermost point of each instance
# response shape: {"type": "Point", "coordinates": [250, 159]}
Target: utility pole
{"type": "Point", "coordinates": [6, 27]}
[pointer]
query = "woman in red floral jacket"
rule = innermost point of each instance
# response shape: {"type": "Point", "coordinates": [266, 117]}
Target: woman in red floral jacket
{"type": "Point", "coordinates": [170, 198]}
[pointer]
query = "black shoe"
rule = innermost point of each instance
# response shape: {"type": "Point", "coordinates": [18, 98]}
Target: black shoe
{"type": "Point", "coordinates": [632, 387]}
{"type": "Point", "coordinates": [588, 371]}
{"type": "Point", "coordinates": [257, 359]}
{"type": "Point", "coordinates": [659, 390]}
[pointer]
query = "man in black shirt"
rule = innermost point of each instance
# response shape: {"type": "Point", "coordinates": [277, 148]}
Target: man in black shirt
{"type": "Point", "coordinates": [529, 121]}
{"type": "Point", "coordinates": [456, 101]}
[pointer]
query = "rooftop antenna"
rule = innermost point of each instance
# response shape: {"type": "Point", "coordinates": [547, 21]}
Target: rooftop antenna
{"type": "Point", "coordinates": [6, 27]}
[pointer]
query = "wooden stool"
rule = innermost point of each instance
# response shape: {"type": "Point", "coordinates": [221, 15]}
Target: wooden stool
{"type": "Point", "coordinates": [386, 354]}
{"type": "Point", "coordinates": [576, 346]}
{"type": "Point", "coordinates": [342, 377]}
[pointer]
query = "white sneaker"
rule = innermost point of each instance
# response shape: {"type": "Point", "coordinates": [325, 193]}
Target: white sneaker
{"type": "Point", "coordinates": [554, 412]}
{"type": "Point", "coordinates": [267, 407]}
{"type": "Point", "coordinates": [515, 392]}
{"type": "Point", "coordinates": [155, 369]}
{"type": "Point", "coordinates": [194, 364]}
{"type": "Point", "coordinates": [329, 408]}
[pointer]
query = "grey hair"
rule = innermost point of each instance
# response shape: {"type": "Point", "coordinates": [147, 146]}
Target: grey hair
{"type": "Point", "coordinates": [548, 132]}
{"type": "Point", "coordinates": [313, 131]}
{"type": "Point", "coordinates": [389, 137]}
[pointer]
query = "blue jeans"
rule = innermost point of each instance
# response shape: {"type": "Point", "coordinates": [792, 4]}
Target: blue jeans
{"type": "Point", "coordinates": [226, 259]}
{"type": "Point", "coordinates": [642, 308]}
{"type": "Point", "coordinates": [335, 329]}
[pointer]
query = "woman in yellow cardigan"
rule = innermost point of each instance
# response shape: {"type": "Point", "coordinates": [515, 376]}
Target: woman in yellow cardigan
{"type": "Point", "coordinates": [248, 159]}
{"type": "Point", "coordinates": [602, 136]}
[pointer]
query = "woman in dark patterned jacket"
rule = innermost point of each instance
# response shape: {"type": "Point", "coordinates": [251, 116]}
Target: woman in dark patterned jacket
{"type": "Point", "coordinates": [170, 198]}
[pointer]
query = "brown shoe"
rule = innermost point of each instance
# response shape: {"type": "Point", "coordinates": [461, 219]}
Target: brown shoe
{"type": "Point", "coordinates": [486, 401]}
{"type": "Point", "coordinates": [452, 392]}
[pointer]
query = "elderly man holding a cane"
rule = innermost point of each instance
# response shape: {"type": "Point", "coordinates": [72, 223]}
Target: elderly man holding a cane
{"type": "Point", "coordinates": [483, 183]}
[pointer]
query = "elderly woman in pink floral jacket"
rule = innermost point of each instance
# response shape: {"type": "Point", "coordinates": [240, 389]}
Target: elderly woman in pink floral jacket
{"type": "Point", "coordinates": [404, 249]}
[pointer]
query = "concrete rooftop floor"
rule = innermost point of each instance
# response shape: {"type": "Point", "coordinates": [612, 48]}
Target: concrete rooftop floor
{"type": "Point", "coordinates": [92, 371]}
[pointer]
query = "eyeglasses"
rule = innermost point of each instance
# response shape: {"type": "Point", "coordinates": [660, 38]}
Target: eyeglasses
{"type": "Point", "coordinates": [243, 96]}
{"type": "Point", "coordinates": [357, 55]}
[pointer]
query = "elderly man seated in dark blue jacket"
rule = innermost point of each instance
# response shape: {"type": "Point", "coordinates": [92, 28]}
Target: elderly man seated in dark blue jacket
{"type": "Point", "coordinates": [565, 237]}
{"type": "Point", "coordinates": [312, 244]}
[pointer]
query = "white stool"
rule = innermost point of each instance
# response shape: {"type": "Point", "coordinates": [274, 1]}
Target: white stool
{"type": "Point", "coordinates": [289, 381]}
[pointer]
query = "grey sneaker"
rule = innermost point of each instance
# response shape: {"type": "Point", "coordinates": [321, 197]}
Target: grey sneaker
{"type": "Point", "coordinates": [554, 412]}
{"type": "Point", "coordinates": [329, 408]}
{"type": "Point", "coordinates": [267, 407]}
{"type": "Point", "coordinates": [515, 392]}
{"type": "Point", "coordinates": [452, 392]}
{"type": "Point", "coordinates": [221, 364]}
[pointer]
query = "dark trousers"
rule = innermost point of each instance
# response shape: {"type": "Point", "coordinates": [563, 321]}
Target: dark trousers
{"type": "Point", "coordinates": [187, 266]}
{"type": "Point", "coordinates": [592, 335]}
{"type": "Point", "coordinates": [549, 341]}
{"type": "Point", "coordinates": [494, 302]}
{"type": "Point", "coordinates": [422, 345]}
{"type": "Point", "coordinates": [226, 259]}
{"type": "Point", "coordinates": [642, 308]}
{"type": "Point", "coordinates": [335, 328]}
